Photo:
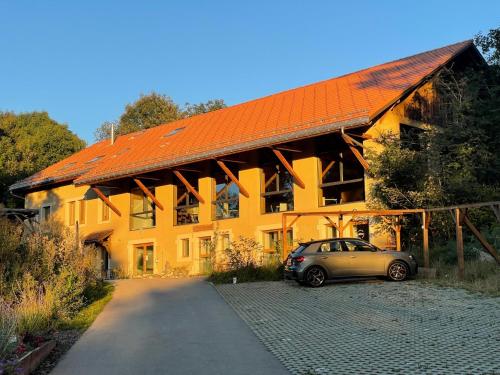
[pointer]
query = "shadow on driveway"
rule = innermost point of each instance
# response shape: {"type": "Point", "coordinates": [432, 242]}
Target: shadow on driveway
{"type": "Point", "coordinates": [168, 326]}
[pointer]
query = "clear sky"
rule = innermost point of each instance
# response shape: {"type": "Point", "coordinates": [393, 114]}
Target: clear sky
{"type": "Point", "coordinates": [83, 61]}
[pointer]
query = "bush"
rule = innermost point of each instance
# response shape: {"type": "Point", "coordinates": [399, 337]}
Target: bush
{"type": "Point", "coordinates": [247, 274]}
{"type": "Point", "coordinates": [7, 328]}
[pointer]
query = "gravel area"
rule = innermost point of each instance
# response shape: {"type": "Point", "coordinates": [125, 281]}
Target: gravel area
{"type": "Point", "coordinates": [373, 327]}
{"type": "Point", "coordinates": [64, 341]}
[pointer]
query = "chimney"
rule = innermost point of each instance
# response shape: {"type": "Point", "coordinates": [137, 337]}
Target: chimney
{"type": "Point", "coordinates": [112, 133]}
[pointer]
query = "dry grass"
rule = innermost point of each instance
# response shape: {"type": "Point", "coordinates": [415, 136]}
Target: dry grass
{"type": "Point", "coordinates": [480, 276]}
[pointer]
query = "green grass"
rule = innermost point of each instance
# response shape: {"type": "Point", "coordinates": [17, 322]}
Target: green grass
{"type": "Point", "coordinates": [86, 316]}
{"type": "Point", "coordinates": [248, 274]}
{"type": "Point", "coordinates": [480, 277]}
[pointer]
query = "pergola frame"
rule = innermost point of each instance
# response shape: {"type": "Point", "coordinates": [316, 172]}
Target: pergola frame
{"type": "Point", "coordinates": [459, 214]}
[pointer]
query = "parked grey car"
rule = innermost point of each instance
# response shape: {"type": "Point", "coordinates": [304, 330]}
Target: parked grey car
{"type": "Point", "coordinates": [315, 262]}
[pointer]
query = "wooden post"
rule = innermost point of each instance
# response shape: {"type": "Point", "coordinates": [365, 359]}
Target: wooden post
{"type": "Point", "coordinates": [460, 243]}
{"type": "Point", "coordinates": [341, 226]}
{"type": "Point", "coordinates": [426, 218]}
{"type": "Point", "coordinates": [397, 229]}
{"type": "Point", "coordinates": [283, 236]}
{"type": "Point", "coordinates": [77, 237]}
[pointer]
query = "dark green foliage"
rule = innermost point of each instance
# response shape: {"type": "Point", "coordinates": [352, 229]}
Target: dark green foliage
{"type": "Point", "coordinates": [30, 142]}
{"type": "Point", "coordinates": [247, 274]}
{"type": "Point", "coordinates": [152, 110]}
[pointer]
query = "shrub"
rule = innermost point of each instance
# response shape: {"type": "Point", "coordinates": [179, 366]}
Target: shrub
{"type": "Point", "coordinates": [7, 328]}
{"type": "Point", "coordinates": [249, 273]}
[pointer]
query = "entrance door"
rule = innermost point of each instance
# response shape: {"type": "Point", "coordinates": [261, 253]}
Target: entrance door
{"type": "Point", "coordinates": [144, 259]}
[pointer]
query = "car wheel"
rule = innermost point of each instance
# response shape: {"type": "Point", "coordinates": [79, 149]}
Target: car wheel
{"type": "Point", "coordinates": [315, 277]}
{"type": "Point", "coordinates": [398, 271]}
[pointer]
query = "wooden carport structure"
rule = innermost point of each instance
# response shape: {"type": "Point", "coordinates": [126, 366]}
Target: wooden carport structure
{"type": "Point", "coordinates": [459, 214]}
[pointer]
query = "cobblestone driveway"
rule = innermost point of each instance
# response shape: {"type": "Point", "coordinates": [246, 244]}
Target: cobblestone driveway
{"type": "Point", "coordinates": [372, 327]}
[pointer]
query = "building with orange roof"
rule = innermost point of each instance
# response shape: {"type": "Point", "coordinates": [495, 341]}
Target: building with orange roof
{"type": "Point", "coordinates": [155, 199]}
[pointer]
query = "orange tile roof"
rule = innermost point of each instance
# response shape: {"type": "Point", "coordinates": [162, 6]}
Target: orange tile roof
{"type": "Point", "coordinates": [349, 100]}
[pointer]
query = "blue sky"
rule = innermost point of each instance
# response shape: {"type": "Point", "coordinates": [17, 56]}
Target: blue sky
{"type": "Point", "coordinates": [83, 61]}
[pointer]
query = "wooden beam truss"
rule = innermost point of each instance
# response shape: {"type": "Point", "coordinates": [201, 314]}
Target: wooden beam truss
{"type": "Point", "coordinates": [106, 200]}
{"type": "Point", "coordinates": [352, 143]}
{"type": "Point", "coordinates": [148, 193]}
{"type": "Point", "coordinates": [289, 168]}
{"type": "Point", "coordinates": [233, 178]}
{"type": "Point", "coordinates": [188, 186]}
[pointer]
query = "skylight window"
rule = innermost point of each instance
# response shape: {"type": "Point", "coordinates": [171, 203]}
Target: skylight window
{"type": "Point", "coordinates": [173, 132]}
{"type": "Point", "coordinates": [93, 160]}
{"type": "Point", "coordinates": [64, 167]}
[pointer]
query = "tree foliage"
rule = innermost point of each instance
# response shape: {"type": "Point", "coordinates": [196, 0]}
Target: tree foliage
{"type": "Point", "coordinates": [458, 160]}
{"type": "Point", "coordinates": [152, 110]}
{"type": "Point", "coordinates": [31, 142]}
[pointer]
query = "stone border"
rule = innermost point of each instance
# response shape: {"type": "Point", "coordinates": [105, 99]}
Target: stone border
{"type": "Point", "coordinates": [31, 360]}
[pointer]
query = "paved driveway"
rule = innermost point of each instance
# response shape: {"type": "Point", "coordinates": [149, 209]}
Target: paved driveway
{"type": "Point", "coordinates": [372, 327]}
{"type": "Point", "coordinates": [162, 326]}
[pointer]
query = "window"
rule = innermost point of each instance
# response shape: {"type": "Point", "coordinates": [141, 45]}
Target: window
{"type": "Point", "coordinates": [45, 213]}
{"type": "Point", "coordinates": [142, 210]}
{"type": "Point", "coordinates": [205, 246]}
{"type": "Point", "coordinates": [272, 239]}
{"type": "Point", "coordinates": [331, 232]}
{"type": "Point", "coordinates": [185, 247]}
{"type": "Point", "coordinates": [329, 247]}
{"type": "Point", "coordinates": [104, 212]}
{"type": "Point", "coordinates": [353, 245]}
{"type": "Point", "coordinates": [71, 213]}
{"type": "Point", "coordinates": [278, 189]}
{"type": "Point", "coordinates": [227, 198]}
{"type": "Point", "coordinates": [82, 211]}
{"type": "Point", "coordinates": [187, 208]}
{"type": "Point", "coordinates": [362, 230]}
{"type": "Point", "coordinates": [342, 178]}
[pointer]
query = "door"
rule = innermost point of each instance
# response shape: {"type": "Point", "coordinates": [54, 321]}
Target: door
{"type": "Point", "coordinates": [144, 259]}
{"type": "Point", "coordinates": [331, 256]}
{"type": "Point", "coordinates": [366, 260]}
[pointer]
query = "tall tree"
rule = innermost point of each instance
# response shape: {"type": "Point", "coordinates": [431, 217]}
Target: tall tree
{"type": "Point", "coordinates": [29, 143]}
{"type": "Point", "coordinates": [152, 110]}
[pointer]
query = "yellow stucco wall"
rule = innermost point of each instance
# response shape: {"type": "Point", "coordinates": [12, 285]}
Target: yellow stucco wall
{"type": "Point", "coordinates": [252, 223]}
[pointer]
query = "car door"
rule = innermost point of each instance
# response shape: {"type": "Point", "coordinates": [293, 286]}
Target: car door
{"type": "Point", "coordinates": [334, 258]}
{"type": "Point", "coordinates": [365, 259]}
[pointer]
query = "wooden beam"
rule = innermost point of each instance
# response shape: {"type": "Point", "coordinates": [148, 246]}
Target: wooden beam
{"type": "Point", "coordinates": [233, 161]}
{"type": "Point", "coordinates": [426, 219]}
{"type": "Point", "coordinates": [486, 245]}
{"type": "Point", "coordinates": [283, 148]}
{"type": "Point", "coordinates": [362, 136]}
{"type": "Point", "coordinates": [327, 168]}
{"type": "Point", "coordinates": [356, 153]}
{"type": "Point", "coordinates": [496, 211]}
{"type": "Point", "coordinates": [460, 243]}
{"type": "Point", "coordinates": [397, 229]}
{"type": "Point", "coordinates": [233, 178]}
{"type": "Point", "coordinates": [269, 182]}
{"type": "Point", "coordinates": [188, 186]}
{"type": "Point", "coordinates": [332, 223]}
{"type": "Point", "coordinates": [148, 193]}
{"type": "Point", "coordinates": [289, 168]}
{"type": "Point", "coordinates": [181, 198]}
{"type": "Point", "coordinates": [283, 237]}
{"type": "Point", "coordinates": [293, 221]}
{"type": "Point", "coordinates": [221, 191]}
{"type": "Point", "coordinates": [105, 199]}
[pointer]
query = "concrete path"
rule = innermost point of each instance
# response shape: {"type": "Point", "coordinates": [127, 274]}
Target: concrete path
{"type": "Point", "coordinates": [162, 326]}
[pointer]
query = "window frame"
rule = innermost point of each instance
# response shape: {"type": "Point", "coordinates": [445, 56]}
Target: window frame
{"type": "Point", "coordinates": [275, 179]}
{"type": "Point", "coordinates": [225, 191]}
{"type": "Point", "coordinates": [186, 196]}
{"type": "Point", "coordinates": [136, 192]}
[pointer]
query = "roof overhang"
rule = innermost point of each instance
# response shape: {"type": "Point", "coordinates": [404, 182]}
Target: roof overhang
{"type": "Point", "coordinates": [229, 150]}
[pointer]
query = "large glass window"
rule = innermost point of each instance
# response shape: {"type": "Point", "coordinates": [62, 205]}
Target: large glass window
{"type": "Point", "coordinates": [227, 198]}
{"type": "Point", "coordinates": [187, 207]}
{"type": "Point", "coordinates": [142, 210]}
{"type": "Point", "coordinates": [342, 178]}
{"type": "Point", "coordinates": [278, 189]}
